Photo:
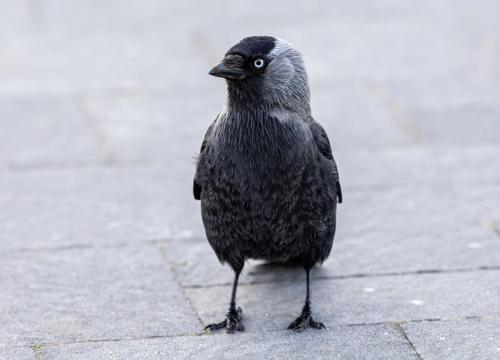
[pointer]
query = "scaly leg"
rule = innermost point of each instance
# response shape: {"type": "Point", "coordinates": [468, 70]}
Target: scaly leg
{"type": "Point", "coordinates": [232, 321]}
{"type": "Point", "coordinates": [305, 319]}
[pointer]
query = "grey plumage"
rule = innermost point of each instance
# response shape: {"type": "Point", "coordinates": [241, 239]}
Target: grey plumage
{"type": "Point", "coordinates": [266, 176]}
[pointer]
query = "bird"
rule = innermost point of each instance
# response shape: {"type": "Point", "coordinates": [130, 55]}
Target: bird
{"type": "Point", "coordinates": [265, 174]}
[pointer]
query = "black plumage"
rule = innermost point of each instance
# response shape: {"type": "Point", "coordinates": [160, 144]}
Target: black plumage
{"type": "Point", "coordinates": [266, 176]}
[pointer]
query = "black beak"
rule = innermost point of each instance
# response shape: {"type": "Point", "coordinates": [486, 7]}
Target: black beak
{"type": "Point", "coordinates": [223, 71]}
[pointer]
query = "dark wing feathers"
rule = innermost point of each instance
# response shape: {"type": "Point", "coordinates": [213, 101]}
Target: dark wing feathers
{"type": "Point", "coordinates": [196, 190]}
{"type": "Point", "coordinates": [323, 144]}
{"type": "Point", "coordinates": [196, 185]}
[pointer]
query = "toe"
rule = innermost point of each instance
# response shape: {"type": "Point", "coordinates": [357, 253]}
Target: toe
{"type": "Point", "coordinates": [239, 326]}
{"type": "Point", "coordinates": [233, 326]}
{"type": "Point", "coordinates": [299, 324]}
{"type": "Point", "coordinates": [303, 322]}
{"type": "Point", "coordinates": [214, 327]}
{"type": "Point", "coordinates": [317, 324]}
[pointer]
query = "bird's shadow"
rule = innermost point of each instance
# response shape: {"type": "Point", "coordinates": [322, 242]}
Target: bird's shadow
{"type": "Point", "coordinates": [259, 271]}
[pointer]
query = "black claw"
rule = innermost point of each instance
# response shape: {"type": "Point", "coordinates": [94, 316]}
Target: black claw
{"type": "Point", "coordinates": [231, 323]}
{"type": "Point", "coordinates": [216, 326]}
{"type": "Point", "coordinates": [316, 324]}
{"type": "Point", "coordinates": [304, 321]}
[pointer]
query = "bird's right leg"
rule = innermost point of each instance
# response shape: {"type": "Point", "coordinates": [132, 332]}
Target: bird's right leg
{"type": "Point", "coordinates": [305, 319]}
{"type": "Point", "coordinates": [232, 321]}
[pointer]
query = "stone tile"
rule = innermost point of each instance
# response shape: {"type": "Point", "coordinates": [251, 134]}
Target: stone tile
{"type": "Point", "coordinates": [392, 41]}
{"type": "Point", "coordinates": [15, 19]}
{"type": "Point", "coordinates": [17, 353]}
{"type": "Point", "coordinates": [167, 128]}
{"type": "Point", "coordinates": [464, 124]}
{"type": "Point", "coordinates": [364, 342]}
{"type": "Point", "coordinates": [357, 300]}
{"type": "Point", "coordinates": [45, 131]}
{"type": "Point", "coordinates": [452, 92]}
{"type": "Point", "coordinates": [465, 339]}
{"type": "Point", "coordinates": [424, 165]}
{"type": "Point", "coordinates": [406, 229]}
{"type": "Point", "coordinates": [142, 46]}
{"type": "Point", "coordinates": [444, 226]}
{"type": "Point", "coordinates": [87, 294]}
{"type": "Point", "coordinates": [369, 40]}
{"type": "Point", "coordinates": [75, 49]}
{"type": "Point", "coordinates": [51, 208]}
{"type": "Point", "coordinates": [353, 118]}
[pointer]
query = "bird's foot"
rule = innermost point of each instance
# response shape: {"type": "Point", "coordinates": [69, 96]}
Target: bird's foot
{"type": "Point", "coordinates": [232, 322]}
{"type": "Point", "coordinates": [304, 321]}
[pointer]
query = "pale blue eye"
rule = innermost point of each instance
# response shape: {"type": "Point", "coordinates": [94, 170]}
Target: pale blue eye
{"type": "Point", "coordinates": [258, 63]}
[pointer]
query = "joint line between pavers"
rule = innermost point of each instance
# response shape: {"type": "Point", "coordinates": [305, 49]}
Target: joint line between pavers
{"type": "Point", "coordinates": [496, 228]}
{"type": "Point", "coordinates": [85, 246]}
{"type": "Point", "coordinates": [411, 321]}
{"type": "Point", "coordinates": [109, 153]}
{"type": "Point", "coordinates": [92, 341]}
{"type": "Point", "coordinates": [79, 165]}
{"type": "Point", "coordinates": [38, 351]}
{"type": "Point", "coordinates": [402, 120]}
{"type": "Point", "coordinates": [37, 15]}
{"type": "Point", "coordinates": [403, 333]}
{"type": "Point", "coordinates": [355, 276]}
{"type": "Point", "coordinates": [170, 264]}
{"type": "Point", "coordinates": [40, 346]}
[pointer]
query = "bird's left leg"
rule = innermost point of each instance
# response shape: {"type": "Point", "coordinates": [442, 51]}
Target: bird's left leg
{"type": "Point", "coordinates": [305, 319]}
{"type": "Point", "coordinates": [232, 321]}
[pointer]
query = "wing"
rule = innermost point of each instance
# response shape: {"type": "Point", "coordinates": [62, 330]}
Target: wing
{"type": "Point", "coordinates": [196, 185]}
{"type": "Point", "coordinates": [323, 144]}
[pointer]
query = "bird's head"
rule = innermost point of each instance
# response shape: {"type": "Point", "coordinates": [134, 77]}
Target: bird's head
{"type": "Point", "coordinates": [264, 71]}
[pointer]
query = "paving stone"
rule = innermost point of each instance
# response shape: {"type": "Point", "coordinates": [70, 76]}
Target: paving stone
{"type": "Point", "coordinates": [273, 306]}
{"type": "Point", "coordinates": [422, 165]}
{"type": "Point", "coordinates": [91, 294]}
{"type": "Point", "coordinates": [465, 339]}
{"type": "Point", "coordinates": [165, 129]}
{"type": "Point", "coordinates": [17, 353]}
{"type": "Point", "coordinates": [15, 19]}
{"type": "Point", "coordinates": [353, 117]}
{"type": "Point", "coordinates": [465, 124]}
{"type": "Point", "coordinates": [100, 206]}
{"type": "Point", "coordinates": [407, 229]}
{"type": "Point", "coordinates": [364, 342]}
{"type": "Point", "coordinates": [452, 92]}
{"type": "Point", "coordinates": [57, 133]}
{"type": "Point", "coordinates": [356, 41]}
{"type": "Point", "coordinates": [135, 43]}
{"type": "Point", "coordinates": [76, 49]}
{"type": "Point", "coordinates": [445, 226]}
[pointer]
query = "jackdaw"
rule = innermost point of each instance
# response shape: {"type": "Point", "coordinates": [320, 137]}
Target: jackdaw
{"type": "Point", "coordinates": [266, 176]}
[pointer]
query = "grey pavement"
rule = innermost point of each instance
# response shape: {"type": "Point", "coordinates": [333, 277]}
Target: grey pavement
{"type": "Point", "coordinates": [103, 106]}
